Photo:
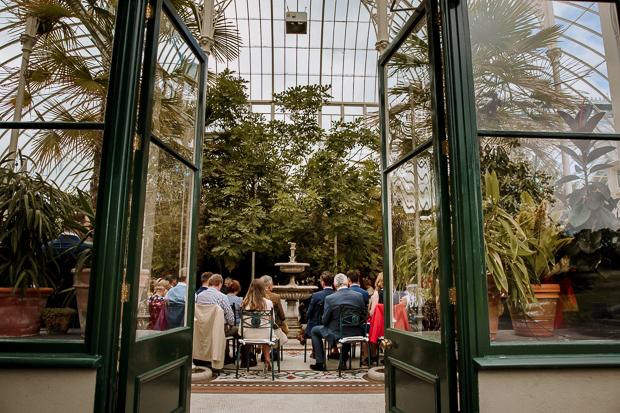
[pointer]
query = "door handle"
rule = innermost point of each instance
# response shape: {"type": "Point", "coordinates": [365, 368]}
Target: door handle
{"type": "Point", "coordinates": [387, 344]}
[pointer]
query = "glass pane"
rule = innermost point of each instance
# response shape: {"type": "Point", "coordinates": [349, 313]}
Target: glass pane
{"type": "Point", "coordinates": [176, 91]}
{"type": "Point", "coordinates": [408, 95]}
{"type": "Point", "coordinates": [552, 229]}
{"type": "Point", "coordinates": [413, 250]}
{"type": "Point", "coordinates": [538, 64]}
{"type": "Point", "coordinates": [165, 244]}
{"type": "Point", "coordinates": [63, 188]}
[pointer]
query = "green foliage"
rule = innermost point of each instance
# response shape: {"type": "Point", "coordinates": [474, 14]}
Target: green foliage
{"type": "Point", "coordinates": [33, 213]}
{"type": "Point", "coordinates": [516, 177]}
{"type": "Point", "coordinates": [267, 183]}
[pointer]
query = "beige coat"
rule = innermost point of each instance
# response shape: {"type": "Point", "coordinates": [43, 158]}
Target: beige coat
{"type": "Point", "coordinates": [209, 337]}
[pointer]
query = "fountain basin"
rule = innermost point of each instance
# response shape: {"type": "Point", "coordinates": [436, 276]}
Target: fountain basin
{"type": "Point", "coordinates": [292, 267]}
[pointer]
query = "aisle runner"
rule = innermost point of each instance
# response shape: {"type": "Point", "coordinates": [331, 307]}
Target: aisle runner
{"type": "Point", "coordinates": [294, 377]}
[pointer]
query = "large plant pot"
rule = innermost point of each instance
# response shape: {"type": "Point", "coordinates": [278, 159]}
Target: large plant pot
{"type": "Point", "coordinates": [19, 316]}
{"type": "Point", "coordinates": [81, 283]}
{"type": "Point", "coordinates": [539, 321]}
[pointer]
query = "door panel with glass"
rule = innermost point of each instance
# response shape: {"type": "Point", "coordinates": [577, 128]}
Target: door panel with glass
{"type": "Point", "coordinates": [415, 299]}
{"type": "Point", "coordinates": [156, 338]}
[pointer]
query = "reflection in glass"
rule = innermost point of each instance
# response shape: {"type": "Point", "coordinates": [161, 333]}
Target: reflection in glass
{"type": "Point", "coordinates": [415, 271]}
{"type": "Point", "coordinates": [536, 64]}
{"type": "Point", "coordinates": [165, 243]}
{"type": "Point", "coordinates": [560, 198]}
{"type": "Point", "coordinates": [176, 91]}
{"type": "Point", "coordinates": [408, 95]}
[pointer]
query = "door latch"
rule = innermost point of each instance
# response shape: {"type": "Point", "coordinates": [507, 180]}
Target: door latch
{"type": "Point", "coordinates": [125, 293]}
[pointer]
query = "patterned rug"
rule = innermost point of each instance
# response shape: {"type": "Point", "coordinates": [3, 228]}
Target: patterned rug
{"type": "Point", "coordinates": [294, 377]}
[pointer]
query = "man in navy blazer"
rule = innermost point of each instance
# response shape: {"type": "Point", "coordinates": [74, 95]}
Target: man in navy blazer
{"type": "Point", "coordinates": [318, 299]}
{"type": "Point", "coordinates": [354, 285]}
{"type": "Point", "coordinates": [330, 330]}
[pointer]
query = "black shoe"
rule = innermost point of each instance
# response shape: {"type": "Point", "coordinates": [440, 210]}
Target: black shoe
{"type": "Point", "coordinates": [334, 356]}
{"type": "Point", "coordinates": [343, 366]}
{"type": "Point", "coordinates": [318, 366]}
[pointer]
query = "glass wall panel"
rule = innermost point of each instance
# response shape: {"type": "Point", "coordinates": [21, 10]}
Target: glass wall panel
{"type": "Point", "coordinates": [552, 230]}
{"type": "Point", "coordinates": [176, 91]}
{"type": "Point", "coordinates": [536, 64]}
{"type": "Point", "coordinates": [408, 95]}
{"type": "Point", "coordinates": [165, 244]}
{"type": "Point", "coordinates": [413, 247]}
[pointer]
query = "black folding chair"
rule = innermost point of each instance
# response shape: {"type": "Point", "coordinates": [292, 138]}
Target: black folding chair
{"type": "Point", "coordinates": [257, 320]}
{"type": "Point", "coordinates": [232, 338]}
{"type": "Point", "coordinates": [352, 317]}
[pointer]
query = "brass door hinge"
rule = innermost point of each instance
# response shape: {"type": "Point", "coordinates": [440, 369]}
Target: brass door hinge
{"type": "Point", "coordinates": [445, 148]}
{"type": "Point", "coordinates": [137, 141]}
{"type": "Point", "coordinates": [453, 295]}
{"type": "Point", "coordinates": [149, 11]}
{"type": "Point", "coordinates": [125, 293]}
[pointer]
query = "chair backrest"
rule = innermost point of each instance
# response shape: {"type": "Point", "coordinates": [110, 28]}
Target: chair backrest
{"type": "Point", "coordinates": [256, 319]}
{"type": "Point", "coordinates": [320, 312]}
{"type": "Point", "coordinates": [352, 317]}
{"type": "Point", "coordinates": [234, 310]}
{"type": "Point", "coordinates": [176, 314]}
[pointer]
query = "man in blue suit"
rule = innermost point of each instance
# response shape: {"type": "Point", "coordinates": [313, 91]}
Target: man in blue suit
{"type": "Point", "coordinates": [330, 330]}
{"type": "Point", "coordinates": [318, 299]}
{"type": "Point", "coordinates": [354, 285]}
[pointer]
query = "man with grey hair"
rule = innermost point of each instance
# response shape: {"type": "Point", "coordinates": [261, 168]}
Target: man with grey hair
{"type": "Point", "coordinates": [330, 330]}
{"type": "Point", "coordinates": [276, 300]}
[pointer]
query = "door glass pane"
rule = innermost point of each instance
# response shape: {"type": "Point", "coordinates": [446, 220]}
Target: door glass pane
{"type": "Point", "coordinates": [552, 224]}
{"type": "Point", "coordinates": [165, 244]}
{"type": "Point", "coordinates": [536, 64]}
{"type": "Point", "coordinates": [408, 95]}
{"type": "Point", "coordinates": [414, 259]}
{"type": "Point", "coordinates": [176, 91]}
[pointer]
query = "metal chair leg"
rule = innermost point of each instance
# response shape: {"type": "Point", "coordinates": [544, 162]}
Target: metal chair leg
{"type": "Point", "coordinates": [273, 374]}
{"type": "Point", "coordinates": [340, 361]}
{"type": "Point", "coordinates": [247, 355]}
{"type": "Point", "coordinates": [238, 353]}
{"type": "Point", "coordinates": [305, 349]}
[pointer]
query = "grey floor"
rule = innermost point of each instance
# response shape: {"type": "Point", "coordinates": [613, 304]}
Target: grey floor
{"type": "Point", "coordinates": [269, 403]}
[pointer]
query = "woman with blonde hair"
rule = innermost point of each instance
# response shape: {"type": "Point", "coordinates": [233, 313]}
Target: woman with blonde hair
{"type": "Point", "coordinates": [156, 301]}
{"type": "Point", "coordinates": [256, 300]}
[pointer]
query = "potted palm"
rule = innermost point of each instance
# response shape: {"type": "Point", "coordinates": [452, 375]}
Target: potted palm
{"type": "Point", "coordinates": [33, 212]}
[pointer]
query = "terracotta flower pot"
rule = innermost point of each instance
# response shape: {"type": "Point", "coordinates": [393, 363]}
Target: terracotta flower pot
{"type": "Point", "coordinates": [19, 316]}
{"type": "Point", "coordinates": [539, 322]}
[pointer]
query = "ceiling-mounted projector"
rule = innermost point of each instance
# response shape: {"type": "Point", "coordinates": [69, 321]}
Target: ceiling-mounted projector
{"type": "Point", "coordinates": [296, 22]}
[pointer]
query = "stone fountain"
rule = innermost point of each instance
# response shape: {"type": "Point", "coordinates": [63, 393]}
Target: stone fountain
{"type": "Point", "coordinates": [292, 292]}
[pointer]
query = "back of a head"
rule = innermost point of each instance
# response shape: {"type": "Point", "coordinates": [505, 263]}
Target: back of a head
{"type": "Point", "coordinates": [233, 286]}
{"type": "Point", "coordinates": [379, 281]}
{"type": "Point", "coordinates": [255, 298]}
{"type": "Point", "coordinates": [183, 274]}
{"type": "Point", "coordinates": [205, 277]}
{"type": "Point", "coordinates": [161, 285]}
{"type": "Point", "coordinates": [227, 280]}
{"type": "Point", "coordinates": [215, 280]}
{"type": "Point", "coordinates": [267, 280]}
{"type": "Point", "coordinates": [327, 278]}
{"type": "Point", "coordinates": [353, 276]}
{"type": "Point", "coordinates": [340, 280]}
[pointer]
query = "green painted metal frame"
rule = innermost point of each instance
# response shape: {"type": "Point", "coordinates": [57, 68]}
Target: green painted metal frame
{"type": "Point", "coordinates": [443, 351]}
{"type": "Point", "coordinates": [141, 355]}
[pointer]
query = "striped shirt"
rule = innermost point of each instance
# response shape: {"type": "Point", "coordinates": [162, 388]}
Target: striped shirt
{"type": "Point", "coordinates": [212, 296]}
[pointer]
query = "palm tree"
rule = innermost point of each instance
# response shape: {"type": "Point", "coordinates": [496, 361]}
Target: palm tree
{"type": "Point", "coordinates": [68, 76]}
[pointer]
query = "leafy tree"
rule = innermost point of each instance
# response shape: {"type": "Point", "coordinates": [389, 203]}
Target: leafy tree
{"type": "Point", "coordinates": [269, 182]}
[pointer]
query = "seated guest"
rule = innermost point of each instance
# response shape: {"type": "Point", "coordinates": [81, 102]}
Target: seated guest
{"type": "Point", "coordinates": [330, 330]}
{"type": "Point", "coordinates": [354, 284]}
{"type": "Point", "coordinates": [233, 287]}
{"type": "Point", "coordinates": [318, 299]}
{"type": "Point", "coordinates": [156, 301]}
{"type": "Point", "coordinates": [203, 279]}
{"type": "Point", "coordinates": [175, 301]}
{"type": "Point", "coordinates": [213, 296]}
{"type": "Point", "coordinates": [256, 300]}
{"type": "Point", "coordinates": [277, 302]}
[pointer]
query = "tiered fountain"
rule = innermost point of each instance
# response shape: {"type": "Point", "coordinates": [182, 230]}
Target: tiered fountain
{"type": "Point", "coordinates": [292, 292]}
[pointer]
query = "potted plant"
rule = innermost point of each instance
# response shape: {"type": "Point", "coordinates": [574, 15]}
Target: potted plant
{"type": "Point", "coordinates": [33, 212]}
{"type": "Point", "coordinates": [58, 320]}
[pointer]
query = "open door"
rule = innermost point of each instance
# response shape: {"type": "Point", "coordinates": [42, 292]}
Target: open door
{"type": "Point", "coordinates": [419, 337]}
{"type": "Point", "coordinates": [155, 364]}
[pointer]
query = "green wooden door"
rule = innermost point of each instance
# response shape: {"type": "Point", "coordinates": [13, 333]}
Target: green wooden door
{"type": "Point", "coordinates": [419, 317]}
{"type": "Point", "coordinates": [155, 364]}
